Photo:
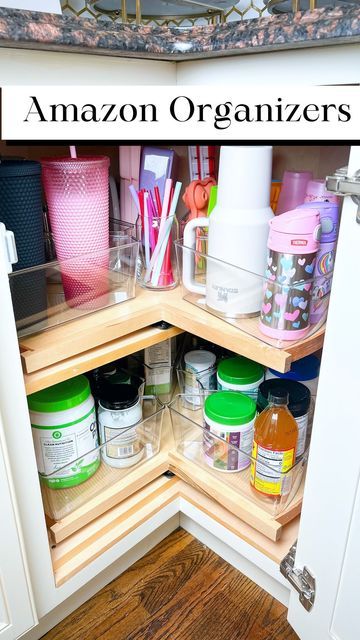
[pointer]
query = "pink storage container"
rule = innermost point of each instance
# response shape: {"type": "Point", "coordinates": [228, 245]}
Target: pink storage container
{"type": "Point", "coordinates": [77, 196]}
{"type": "Point", "coordinates": [293, 190]}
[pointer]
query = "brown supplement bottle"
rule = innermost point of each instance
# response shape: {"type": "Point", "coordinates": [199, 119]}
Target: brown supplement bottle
{"type": "Point", "coordinates": [274, 447]}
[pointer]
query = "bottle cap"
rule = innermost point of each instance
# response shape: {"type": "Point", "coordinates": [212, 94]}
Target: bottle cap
{"type": "Point", "coordinates": [240, 370]}
{"type": "Point", "coordinates": [306, 368]}
{"type": "Point", "coordinates": [299, 395]}
{"type": "Point", "coordinates": [60, 397]}
{"type": "Point", "coordinates": [117, 397]}
{"type": "Point", "coordinates": [278, 396]}
{"type": "Point", "coordinates": [230, 408]}
{"type": "Point", "coordinates": [200, 359]}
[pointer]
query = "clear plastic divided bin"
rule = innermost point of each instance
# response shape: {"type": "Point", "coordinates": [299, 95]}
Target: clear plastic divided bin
{"type": "Point", "coordinates": [213, 454]}
{"type": "Point", "coordinates": [159, 379]}
{"type": "Point", "coordinates": [57, 292]}
{"type": "Point", "coordinates": [72, 486]}
{"type": "Point", "coordinates": [278, 314]}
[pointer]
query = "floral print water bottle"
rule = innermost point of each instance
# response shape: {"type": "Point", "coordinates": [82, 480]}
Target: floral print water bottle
{"type": "Point", "coordinates": [292, 247]}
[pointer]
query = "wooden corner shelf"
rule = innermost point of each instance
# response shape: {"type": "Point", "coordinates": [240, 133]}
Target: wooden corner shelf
{"type": "Point", "coordinates": [241, 504]}
{"type": "Point", "coordinates": [119, 348]}
{"type": "Point", "coordinates": [114, 486]}
{"type": "Point", "coordinates": [80, 345]}
{"type": "Point", "coordinates": [83, 547]}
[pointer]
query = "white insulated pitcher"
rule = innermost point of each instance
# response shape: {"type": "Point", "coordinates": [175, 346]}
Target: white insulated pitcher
{"type": "Point", "coordinates": [238, 232]}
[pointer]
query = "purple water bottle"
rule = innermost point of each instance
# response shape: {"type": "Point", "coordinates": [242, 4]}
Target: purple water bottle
{"type": "Point", "coordinates": [325, 259]}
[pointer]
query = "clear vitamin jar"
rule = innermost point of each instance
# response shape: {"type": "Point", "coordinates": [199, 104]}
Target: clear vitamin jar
{"type": "Point", "coordinates": [118, 414]}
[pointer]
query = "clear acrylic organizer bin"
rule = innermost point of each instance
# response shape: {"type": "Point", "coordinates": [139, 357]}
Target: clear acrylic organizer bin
{"type": "Point", "coordinates": [123, 229]}
{"type": "Point", "coordinates": [159, 379]}
{"type": "Point", "coordinates": [241, 298]}
{"type": "Point", "coordinates": [146, 435]}
{"type": "Point", "coordinates": [57, 292]}
{"type": "Point", "coordinates": [198, 382]}
{"type": "Point", "coordinates": [205, 450]}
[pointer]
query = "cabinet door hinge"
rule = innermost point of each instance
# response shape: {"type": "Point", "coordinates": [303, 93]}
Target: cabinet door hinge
{"type": "Point", "coordinates": [7, 239]}
{"type": "Point", "coordinates": [300, 579]}
{"type": "Point", "coordinates": [344, 185]}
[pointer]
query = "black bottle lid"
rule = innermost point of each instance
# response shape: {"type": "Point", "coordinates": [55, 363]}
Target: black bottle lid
{"type": "Point", "coordinates": [117, 397]}
{"type": "Point", "coordinates": [278, 396]}
{"type": "Point", "coordinates": [299, 395]}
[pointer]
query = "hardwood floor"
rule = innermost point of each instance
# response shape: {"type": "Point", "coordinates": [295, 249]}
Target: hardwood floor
{"type": "Point", "coordinates": [180, 591]}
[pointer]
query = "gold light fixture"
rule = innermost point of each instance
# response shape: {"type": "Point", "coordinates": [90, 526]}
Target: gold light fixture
{"type": "Point", "coordinates": [278, 7]}
{"type": "Point", "coordinates": [162, 10]}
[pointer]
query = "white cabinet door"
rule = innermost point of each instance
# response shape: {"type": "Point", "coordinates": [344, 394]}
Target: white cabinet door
{"type": "Point", "coordinates": [16, 611]}
{"type": "Point", "coordinates": [329, 540]}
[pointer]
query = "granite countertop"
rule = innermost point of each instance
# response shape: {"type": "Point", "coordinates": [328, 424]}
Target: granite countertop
{"type": "Point", "coordinates": [36, 30]}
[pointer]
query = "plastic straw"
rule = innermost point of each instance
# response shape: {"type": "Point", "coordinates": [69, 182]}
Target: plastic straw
{"type": "Point", "coordinates": [146, 229]}
{"type": "Point", "coordinates": [165, 204]}
{"type": "Point", "coordinates": [175, 199]}
{"type": "Point", "coordinates": [135, 198]}
{"type": "Point", "coordinates": [152, 215]}
{"type": "Point", "coordinates": [73, 153]}
{"type": "Point", "coordinates": [157, 199]}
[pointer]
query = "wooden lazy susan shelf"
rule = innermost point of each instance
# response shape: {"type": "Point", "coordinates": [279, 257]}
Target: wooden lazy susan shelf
{"type": "Point", "coordinates": [80, 345]}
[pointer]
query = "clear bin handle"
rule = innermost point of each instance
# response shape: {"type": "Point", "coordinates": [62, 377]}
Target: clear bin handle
{"type": "Point", "coordinates": [189, 257]}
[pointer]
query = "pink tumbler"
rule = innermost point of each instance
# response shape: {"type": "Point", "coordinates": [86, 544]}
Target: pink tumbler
{"type": "Point", "coordinates": [292, 249]}
{"type": "Point", "coordinates": [293, 190]}
{"type": "Point", "coordinates": [77, 195]}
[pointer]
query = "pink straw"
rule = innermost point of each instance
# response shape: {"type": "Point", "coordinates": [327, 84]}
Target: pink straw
{"type": "Point", "coordinates": [73, 153]}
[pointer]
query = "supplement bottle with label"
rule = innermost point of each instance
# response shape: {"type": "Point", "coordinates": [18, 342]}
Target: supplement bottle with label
{"type": "Point", "coordinates": [119, 414]}
{"type": "Point", "coordinates": [298, 405]}
{"type": "Point", "coordinates": [274, 447]}
{"type": "Point", "coordinates": [65, 434]}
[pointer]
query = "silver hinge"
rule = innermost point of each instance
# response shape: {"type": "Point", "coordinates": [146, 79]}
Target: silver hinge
{"type": "Point", "coordinates": [344, 185]}
{"type": "Point", "coordinates": [9, 244]}
{"type": "Point", "coordinates": [300, 579]}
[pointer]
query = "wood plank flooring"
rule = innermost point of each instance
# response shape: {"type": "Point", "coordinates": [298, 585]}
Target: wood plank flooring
{"type": "Point", "coordinates": [179, 591]}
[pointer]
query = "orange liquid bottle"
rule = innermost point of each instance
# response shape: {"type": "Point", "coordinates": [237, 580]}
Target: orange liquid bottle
{"type": "Point", "coordinates": [274, 447]}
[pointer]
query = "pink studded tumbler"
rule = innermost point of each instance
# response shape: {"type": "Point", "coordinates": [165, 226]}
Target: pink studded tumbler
{"type": "Point", "coordinates": [77, 196]}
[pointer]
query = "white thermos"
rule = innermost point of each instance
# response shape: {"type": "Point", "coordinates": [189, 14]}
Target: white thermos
{"type": "Point", "coordinates": [238, 233]}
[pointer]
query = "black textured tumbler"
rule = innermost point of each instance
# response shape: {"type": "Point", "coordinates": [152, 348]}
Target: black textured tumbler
{"type": "Point", "coordinates": [21, 212]}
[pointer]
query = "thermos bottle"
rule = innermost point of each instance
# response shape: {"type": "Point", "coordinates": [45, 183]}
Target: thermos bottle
{"type": "Point", "coordinates": [325, 259]}
{"type": "Point", "coordinates": [292, 249]}
{"type": "Point", "coordinates": [21, 212]}
{"type": "Point", "coordinates": [238, 230]}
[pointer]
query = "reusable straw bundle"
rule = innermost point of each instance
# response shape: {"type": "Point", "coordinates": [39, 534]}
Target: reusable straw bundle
{"type": "Point", "coordinates": [157, 218]}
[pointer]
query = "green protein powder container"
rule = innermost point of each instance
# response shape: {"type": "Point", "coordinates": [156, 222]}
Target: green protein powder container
{"type": "Point", "coordinates": [65, 434]}
{"type": "Point", "coordinates": [240, 374]}
{"type": "Point", "coordinates": [230, 417]}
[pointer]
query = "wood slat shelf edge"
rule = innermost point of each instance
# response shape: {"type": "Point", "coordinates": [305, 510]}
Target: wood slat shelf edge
{"type": "Point", "coordinates": [114, 494]}
{"type": "Point", "coordinates": [50, 348]}
{"type": "Point", "coordinates": [113, 534]}
{"type": "Point", "coordinates": [253, 514]}
{"type": "Point", "coordinates": [98, 328]}
{"type": "Point", "coordinates": [75, 553]}
{"type": "Point", "coordinates": [97, 357]}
